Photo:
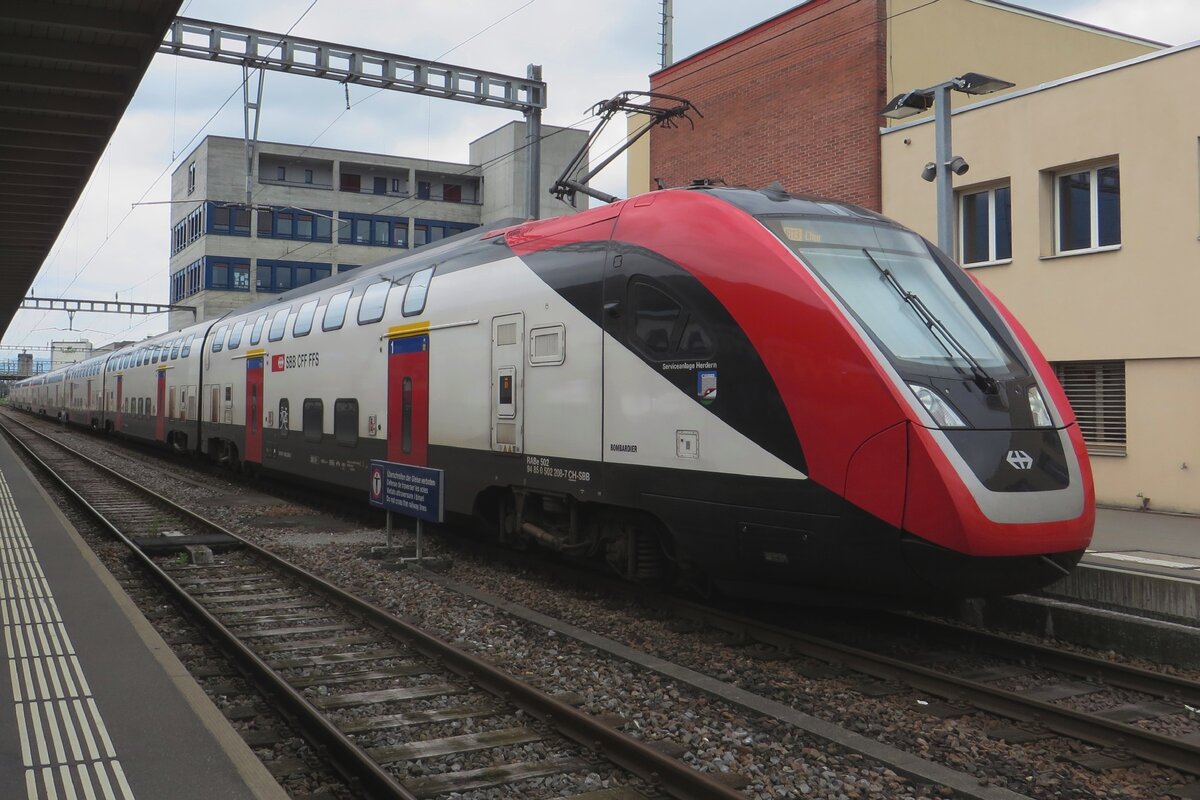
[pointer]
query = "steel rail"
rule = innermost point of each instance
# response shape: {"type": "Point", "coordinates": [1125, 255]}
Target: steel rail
{"type": "Point", "coordinates": [1147, 745]}
{"type": "Point", "coordinates": [668, 774]}
{"type": "Point", "coordinates": [1125, 676]}
{"type": "Point", "coordinates": [360, 770]}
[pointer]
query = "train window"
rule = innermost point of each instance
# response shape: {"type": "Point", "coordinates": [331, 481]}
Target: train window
{"type": "Point", "coordinates": [547, 345]}
{"type": "Point", "coordinates": [694, 341]}
{"type": "Point", "coordinates": [304, 319]}
{"type": "Point", "coordinates": [235, 334]}
{"type": "Point", "coordinates": [187, 346]}
{"type": "Point", "coordinates": [284, 415]}
{"type": "Point", "coordinates": [256, 333]}
{"type": "Point", "coordinates": [417, 291]}
{"type": "Point", "coordinates": [219, 338]}
{"type": "Point", "coordinates": [278, 325]}
{"type": "Point", "coordinates": [335, 312]}
{"type": "Point", "coordinates": [154, 351]}
{"type": "Point", "coordinates": [370, 307]}
{"type": "Point", "coordinates": [314, 420]}
{"type": "Point", "coordinates": [175, 348]}
{"type": "Point", "coordinates": [653, 316]}
{"type": "Point", "coordinates": [345, 422]}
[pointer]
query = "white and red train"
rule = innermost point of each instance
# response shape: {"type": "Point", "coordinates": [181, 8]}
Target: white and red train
{"type": "Point", "coordinates": [787, 396]}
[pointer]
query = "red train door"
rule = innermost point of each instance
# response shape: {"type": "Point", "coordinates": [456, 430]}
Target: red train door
{"type": "Point", "coordinates": [119, 398]}
{"type": "Point", "coordinates": [254, 409]}
{"type": "Point", "coordinates": [408, 400]}
{"type": "Point", "coordinates": [160, 407]}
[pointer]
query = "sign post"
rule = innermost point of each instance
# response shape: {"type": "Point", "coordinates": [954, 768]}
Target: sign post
{"type": "Point", "coordinates": [416, 492]}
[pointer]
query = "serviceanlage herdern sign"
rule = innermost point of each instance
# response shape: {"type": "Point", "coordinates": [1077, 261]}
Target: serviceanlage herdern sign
{"type": "Point", "coordinates": [406, 489]}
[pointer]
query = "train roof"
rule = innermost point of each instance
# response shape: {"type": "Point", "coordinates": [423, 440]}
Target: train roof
{"type": "Point", "coordinates": [774, 199]}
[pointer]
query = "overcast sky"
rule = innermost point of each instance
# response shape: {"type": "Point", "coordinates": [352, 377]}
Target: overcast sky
{"type": "Point", "coordinates": [589, 51]}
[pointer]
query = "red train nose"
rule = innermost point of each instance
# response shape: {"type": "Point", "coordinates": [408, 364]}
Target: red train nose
{"type": "Point", "coordinates": [945, 505]}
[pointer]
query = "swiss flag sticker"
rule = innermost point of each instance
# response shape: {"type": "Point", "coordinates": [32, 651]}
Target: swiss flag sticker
{"type": "Point", "coordinates": [277, 363]}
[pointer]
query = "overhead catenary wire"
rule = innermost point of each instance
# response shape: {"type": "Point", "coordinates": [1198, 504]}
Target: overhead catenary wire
{"type": "Point", "coordinates": [159, 177]}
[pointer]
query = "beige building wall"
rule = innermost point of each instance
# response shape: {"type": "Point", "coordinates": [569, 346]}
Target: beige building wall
{"type": "Point", "coordinates": [1136, 302]}
{"type": "Point", "coordinates": [637, 158]}
{"type": "Point", "coordinates": [930, 43]}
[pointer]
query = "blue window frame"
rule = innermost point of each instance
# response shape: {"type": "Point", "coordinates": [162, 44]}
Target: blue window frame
{"type": "Point", "coordinates": [279, 276]}
{"type": "Point", "coordinates": [310, 225]}
{"type": "Point", "coordinates": [227, 219]}
{"type": "Point", "coordinates": [372, 230]}
{"type": "Point", "coordinates": [230, 274]}
{"type": "Point", "coordinates": [426, 231]}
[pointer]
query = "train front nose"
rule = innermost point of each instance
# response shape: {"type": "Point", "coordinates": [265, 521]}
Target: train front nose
{"type": "Point", "coordinates": [991, 512]}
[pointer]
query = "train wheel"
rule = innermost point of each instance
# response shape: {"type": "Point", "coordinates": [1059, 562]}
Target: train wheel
{"type": "Point", "coordinates": [633, 549]}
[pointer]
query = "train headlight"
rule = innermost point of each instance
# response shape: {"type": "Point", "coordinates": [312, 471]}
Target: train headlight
{"type": "Point", "coordinates": [941, 411]}
{"type": "Point", "coordinates": [1041, 412]}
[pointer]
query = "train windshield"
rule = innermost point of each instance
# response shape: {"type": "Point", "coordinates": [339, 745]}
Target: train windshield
{"type": "Point", "coordinates": [889, 280]}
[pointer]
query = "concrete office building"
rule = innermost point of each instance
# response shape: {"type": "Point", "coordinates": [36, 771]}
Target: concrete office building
{"type": "Point", "coordinates": [1081, 212]}
{"type": "Point", "coordinates": [315, 212]}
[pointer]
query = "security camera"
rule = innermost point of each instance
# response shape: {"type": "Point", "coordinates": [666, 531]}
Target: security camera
{"type": "Point", "coordinates": [930, 172]}
{"type": "Point", "coordinates": [958, 165]}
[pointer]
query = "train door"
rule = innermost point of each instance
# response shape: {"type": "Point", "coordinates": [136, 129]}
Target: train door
{"type": "Point", "coordinates": [89, 401]}
{"type": "Point", "coordinates": [508, 385]}
{"type": "Point", "coordinates": [408, 400]}
{"type": "Point", "coordinates": [160, 406]}
{"type": "Point", "coordinates": [254, 409]}
{"type": "Point", "coordinates": [120, 397]}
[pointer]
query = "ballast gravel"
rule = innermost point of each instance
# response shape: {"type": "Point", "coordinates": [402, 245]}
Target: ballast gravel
{"type": "Point", "coordinates": [714, 736]}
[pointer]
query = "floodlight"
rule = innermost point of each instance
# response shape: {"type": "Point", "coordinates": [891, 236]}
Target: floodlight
{"type": "Point", "coordinates": [908, 104]}
{"type": "Point", "coordinates": [978, 83]}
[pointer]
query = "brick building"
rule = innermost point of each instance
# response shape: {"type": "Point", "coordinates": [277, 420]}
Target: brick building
{"type": "Point", "coordinates": [797, 97]}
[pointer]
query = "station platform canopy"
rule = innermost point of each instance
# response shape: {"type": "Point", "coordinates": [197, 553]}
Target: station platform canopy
{"type": "Point", "coordinates": [68, 70]}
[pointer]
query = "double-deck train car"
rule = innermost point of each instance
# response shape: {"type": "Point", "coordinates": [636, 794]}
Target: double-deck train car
{"type": "Point", "coordinates": [785, 396]}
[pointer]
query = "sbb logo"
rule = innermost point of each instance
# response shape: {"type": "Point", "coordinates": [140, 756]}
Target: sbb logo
{"type": "Point", "coordinates": [277, 363]}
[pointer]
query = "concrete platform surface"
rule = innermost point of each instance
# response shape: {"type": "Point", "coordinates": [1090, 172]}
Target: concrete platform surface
{"type": "Point", "coordinates": [94, 704]}
{"type": "Point", "coordinates": [1143, 541]}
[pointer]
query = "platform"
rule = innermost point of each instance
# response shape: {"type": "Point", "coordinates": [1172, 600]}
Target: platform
{"type": "Point", "coordinates": [93, 703]}
{"type": "Point", "coordinates": [1136, 591]}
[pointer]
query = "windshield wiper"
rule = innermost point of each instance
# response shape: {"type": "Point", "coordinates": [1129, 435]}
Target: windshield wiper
{"type": "Point", "coordinates": [983, 380]}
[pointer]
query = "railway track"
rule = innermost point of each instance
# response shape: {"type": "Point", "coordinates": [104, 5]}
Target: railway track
{"type": "Point", "coordinates": [397, 711]}
{"type": "Point", "coordinates": [927, 655]}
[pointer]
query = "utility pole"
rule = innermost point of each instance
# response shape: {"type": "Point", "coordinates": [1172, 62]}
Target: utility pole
{"type": "Point", "coordinates": [533, 135]}
{"type": "Point", "coordinates": [667, 34]}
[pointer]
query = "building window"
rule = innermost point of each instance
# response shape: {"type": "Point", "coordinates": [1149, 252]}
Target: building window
{"type": "Point", "coordinates": [227, 273]}
{"type": "Point", "coordinates": [279, 276]}
{"type": "Point", "coordinates": [281, 173]}
{"type": "Point", "coordinates": [395, 185]}
{"type": "Point", "coordinates": [372, 230]}
{"type": "Point", "coordinates": [292, 223]}
{"type": "Point", "coordinates": [228, 220]}
{"type": "Point", "coordinates": [351, 183]}
{"type": "Point", "coordinates": [1096, 390]}
{"type": "Point", "coordinates": [1088, 209]}
{"type": "Point", "coordinates": [451, 193]}
{"type": "Point", "coordinates": [423, 189]}
{"type": "Point", "coordinates": [380, 185]}
{"type": "Point", "coordinates": [191, 177]}
{"type": "Point", "coordinates": [308, 176]}
{"type": "Point", "coordinates": [985, 226]}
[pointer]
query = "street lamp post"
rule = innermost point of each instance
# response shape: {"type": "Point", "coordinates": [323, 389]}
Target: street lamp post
{"type": "Point", "coordinates": [938, 96]}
